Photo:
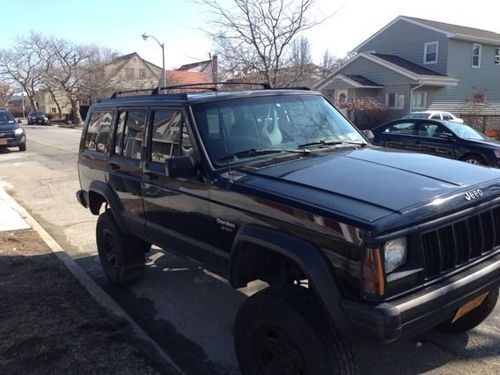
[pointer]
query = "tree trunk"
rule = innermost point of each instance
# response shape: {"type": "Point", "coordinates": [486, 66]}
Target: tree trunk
{"type": "Point", "coordinates": [75, 110]}
{"type": "Point", "coordinates": [59, 109]}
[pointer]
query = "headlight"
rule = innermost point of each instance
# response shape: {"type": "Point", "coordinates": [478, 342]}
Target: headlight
{"type": "Point", "coordinates": [497, 153]}
{"type": "Point", "coordinates": [18, 131]}
{"type": "Point", "coordinates": [394, 254]}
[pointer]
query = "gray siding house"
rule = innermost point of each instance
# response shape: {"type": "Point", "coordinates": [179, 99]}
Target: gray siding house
{"type": "Point", "coordinates": [415, 64]}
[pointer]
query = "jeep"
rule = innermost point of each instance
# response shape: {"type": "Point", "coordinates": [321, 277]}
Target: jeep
{"type": "Point", "coordinates": [353, 240]}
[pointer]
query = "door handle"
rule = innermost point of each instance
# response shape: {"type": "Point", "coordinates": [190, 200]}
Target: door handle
{"type": "Point", "coordinates": [114, 166]}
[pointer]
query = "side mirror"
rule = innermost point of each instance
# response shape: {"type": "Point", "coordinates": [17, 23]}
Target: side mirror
{"type": "Point", "coordinates": [181, 166]}
{"type": "Point", "coordinates": [369, 135]}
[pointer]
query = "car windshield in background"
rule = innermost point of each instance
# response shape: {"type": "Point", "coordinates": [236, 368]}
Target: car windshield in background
{"type": "Point", "coordinates": [465, 131]}
{"type": "Point", "coordinates": [6, 118]}
{"type": "Point", "coordinates": [272, 122]}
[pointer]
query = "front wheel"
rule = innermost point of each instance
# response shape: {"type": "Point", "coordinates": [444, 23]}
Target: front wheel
{"type": "Point", "coordinates": [122, 255]}
{"type": "Point", "coordinates": [22, 147]}
{"type": "Point", "coordinates": [473, 318]}
{"type": "Point", "coordinates": [473, 159]}
{"type": "Point", "coordinates": [283, 330]}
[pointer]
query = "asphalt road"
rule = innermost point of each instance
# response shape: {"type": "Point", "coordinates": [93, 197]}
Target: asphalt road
{"type": "Point", "coordinates": [188, 311]}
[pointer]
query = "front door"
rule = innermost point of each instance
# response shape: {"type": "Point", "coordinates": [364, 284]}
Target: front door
{"type": "Point", "coordinates": [176, 208]}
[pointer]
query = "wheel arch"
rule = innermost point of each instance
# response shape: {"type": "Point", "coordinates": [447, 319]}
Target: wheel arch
{"type": "Point", "coordinates": [304, 254]}
{"type": "Point", "coordinates": [99, 194]}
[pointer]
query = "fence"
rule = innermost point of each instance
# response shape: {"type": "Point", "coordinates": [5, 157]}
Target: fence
{"type": "Point", "coordinates": [487, 124]}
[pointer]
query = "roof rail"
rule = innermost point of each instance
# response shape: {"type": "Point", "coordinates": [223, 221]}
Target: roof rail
{"type": "Point", "coordinates": [116, 94]}
{"type": "Point", "coordinates": [209, 86]}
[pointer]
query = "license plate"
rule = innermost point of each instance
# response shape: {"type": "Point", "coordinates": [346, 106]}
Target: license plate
{"type": "Point", "coordinates": [469, 306]}
{"type": "Point", "coordinates": [3, 141]}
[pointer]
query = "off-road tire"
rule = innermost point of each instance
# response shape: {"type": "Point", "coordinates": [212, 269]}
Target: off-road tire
{"type": "Point", "coordinates": [472, 318]}
{"type": "Point", "coordinates": [122, 255]}
{"type": "Point", "coordinates": [283, 330]}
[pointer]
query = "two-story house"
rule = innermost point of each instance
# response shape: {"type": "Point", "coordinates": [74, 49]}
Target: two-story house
{"type": "Point", "coordinates": [416, 64]}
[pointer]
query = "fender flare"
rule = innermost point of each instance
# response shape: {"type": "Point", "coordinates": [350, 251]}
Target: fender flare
{"type": "Point", "coordinates": [113, 202]}
{"type": "Point", "coordinates": [309, 257]}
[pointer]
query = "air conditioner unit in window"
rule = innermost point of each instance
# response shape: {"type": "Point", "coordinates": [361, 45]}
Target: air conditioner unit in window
{"type": "Point", "coordinates": [497, 59]}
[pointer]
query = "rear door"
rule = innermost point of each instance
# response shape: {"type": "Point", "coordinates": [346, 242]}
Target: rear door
{"type": "Point", "coordinates": [400, 135]}
{"type": "Point", "coordinates": [125, 166]}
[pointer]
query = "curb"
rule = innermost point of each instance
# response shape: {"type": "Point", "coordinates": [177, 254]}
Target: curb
{"type": "Point", "coordinates": [101, 297]}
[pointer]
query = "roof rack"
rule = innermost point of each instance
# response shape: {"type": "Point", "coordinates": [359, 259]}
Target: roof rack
{"type": "Point", "coordinates": [207, 86]}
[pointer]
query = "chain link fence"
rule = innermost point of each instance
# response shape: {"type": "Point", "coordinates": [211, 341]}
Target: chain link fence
{"type": "Point", "coordinates": [487, 124]}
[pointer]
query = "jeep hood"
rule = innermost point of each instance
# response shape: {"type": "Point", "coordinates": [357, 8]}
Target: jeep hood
{"type": "Point", "coordinates": [369, 183]}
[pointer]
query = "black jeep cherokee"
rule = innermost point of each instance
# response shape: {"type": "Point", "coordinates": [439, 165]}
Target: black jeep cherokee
{"type": "Point", "coordinates": [276, 185]}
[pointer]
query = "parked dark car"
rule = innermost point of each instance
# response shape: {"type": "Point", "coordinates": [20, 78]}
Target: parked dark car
{"type": "Point", "coordinates": [37, 117]}
{"type": "Point", "coordinates": [442, 138]}
{"type": "Point", "coordinates": [353, 240]}
{"type": "Point", "coordinates": [11, 134]}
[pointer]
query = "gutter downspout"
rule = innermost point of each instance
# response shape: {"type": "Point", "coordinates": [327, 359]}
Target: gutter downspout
{"type": "Point", "coordinates": [411, 92]}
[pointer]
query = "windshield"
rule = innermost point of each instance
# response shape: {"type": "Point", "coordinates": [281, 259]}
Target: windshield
{"type": "Point", "coordinates": [6, 118]}
{"type": "Point", "coordinates": [465, 131]}
{"type": "Point", "coordinates": [271, 122]}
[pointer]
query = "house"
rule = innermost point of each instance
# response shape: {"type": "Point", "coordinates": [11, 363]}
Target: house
{"type": "Point", "coordinates": [415, 64]}
{"type": "Point", "coordinates": [131, 71]}
{"type": "Point", "coordinates": [54, 103]}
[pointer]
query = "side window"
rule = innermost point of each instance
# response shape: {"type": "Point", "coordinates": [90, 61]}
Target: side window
{"type": "Point", "coordinates": [406, 128]}
{"type": "Point", "coordinates": [167, 142]}
{"type": "Point", "coordinates": [130, 133]}
{"type": "Point", "coordinates": [437, 116]}
{"type": "Point", "coordinates": [446, 116]}
{"type": "Point", "coordinates": [98, 131]}
{"type": "Point", "coordinates": [431, 130]}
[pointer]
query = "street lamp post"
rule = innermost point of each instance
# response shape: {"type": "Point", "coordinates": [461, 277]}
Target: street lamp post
{"type": "Point", "coordinates": [162, 45]}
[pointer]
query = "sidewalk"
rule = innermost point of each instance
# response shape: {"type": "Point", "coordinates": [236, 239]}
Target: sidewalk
{"type": "Point", "coordinates": [49, 324]}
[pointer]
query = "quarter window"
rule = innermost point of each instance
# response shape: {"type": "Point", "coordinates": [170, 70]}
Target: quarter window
{"type": "Point", "coordinates": [98, 131]}
{"type": "Point", "coordinates": [431, 53]}
{"type": "Point", "coordinates": [476, 55]}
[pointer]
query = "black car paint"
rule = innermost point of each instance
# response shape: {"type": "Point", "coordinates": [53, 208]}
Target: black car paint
{"type": "Point", "coordinates": [453, 147]}
{"type": "Point", "coordinates": [337, 201]}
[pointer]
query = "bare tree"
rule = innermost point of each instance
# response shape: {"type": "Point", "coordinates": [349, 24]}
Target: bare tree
{"type": "Point", "coordinates": [6, 92]}
{"type": "Point", "coordinates": [329, 64]}
{"type": "Point", "coordinates": [254, 36]}
{"type": "Point", "coordinates": [21, 64]}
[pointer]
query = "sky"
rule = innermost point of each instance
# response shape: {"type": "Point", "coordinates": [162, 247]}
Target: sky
{"type": "Point", "coordinates": [119, 24]}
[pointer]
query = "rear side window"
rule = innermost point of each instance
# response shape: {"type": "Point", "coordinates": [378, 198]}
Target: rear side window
{"type": "Point", "coordinates": [98, 131]}
{"type": "Point", "coordinates": [130, 133]}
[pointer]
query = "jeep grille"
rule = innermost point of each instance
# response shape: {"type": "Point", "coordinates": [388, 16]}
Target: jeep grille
{"type": "Point", "coordinates": [456, 244]}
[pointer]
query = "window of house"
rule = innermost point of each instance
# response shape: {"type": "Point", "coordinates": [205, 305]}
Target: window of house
{"type": "Point", "coordinates": [431, 53]}
{"type": "Point", "coordinates": [419, 99]}
{"type": "Point", "coordinates": [395, 100]}
{"type": "Point", "coordinates": [497, 56]}
{"type": "Point", "coordinates": [142, 73]}
{"type": "Point", "coordinates": [129, 73]}
{"type": "Point", "coordinates": [130, 133]}
{"type": "Point", "coordinates": [476, 55]}
{"type": "Point", "coordinates": [98, 131]}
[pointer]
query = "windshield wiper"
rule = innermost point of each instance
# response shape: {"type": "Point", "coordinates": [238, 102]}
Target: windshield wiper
{"type": "Point", "coordinates": [260, 151]}
{"type": "Point", "coordinates": [324, 142]}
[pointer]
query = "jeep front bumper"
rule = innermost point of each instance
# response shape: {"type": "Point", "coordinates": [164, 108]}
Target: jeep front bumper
{"type": "Point", "coordinates": [418, 312]}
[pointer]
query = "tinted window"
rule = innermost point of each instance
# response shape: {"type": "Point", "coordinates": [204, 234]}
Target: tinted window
{"type": "Point", "coordinates": [431, 130]}
{"type": "Point", "coordinates": [401, 128]}
{"type": "Point", "coordinates": [167, 125]}
{"type": "Point", "coordinates": [98, 131]}
{"type": "Point", "coordinates": [6, 117]}
{"type": "Point", "coordinates": [130, 133]}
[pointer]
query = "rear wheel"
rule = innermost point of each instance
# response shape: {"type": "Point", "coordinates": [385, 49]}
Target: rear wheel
{"type": "Point", "coordinates": [473, 318]}
{"type": "Point", "coordinates": [122, 255]}
{"type": "Point", "coordinates": [283, 330]}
